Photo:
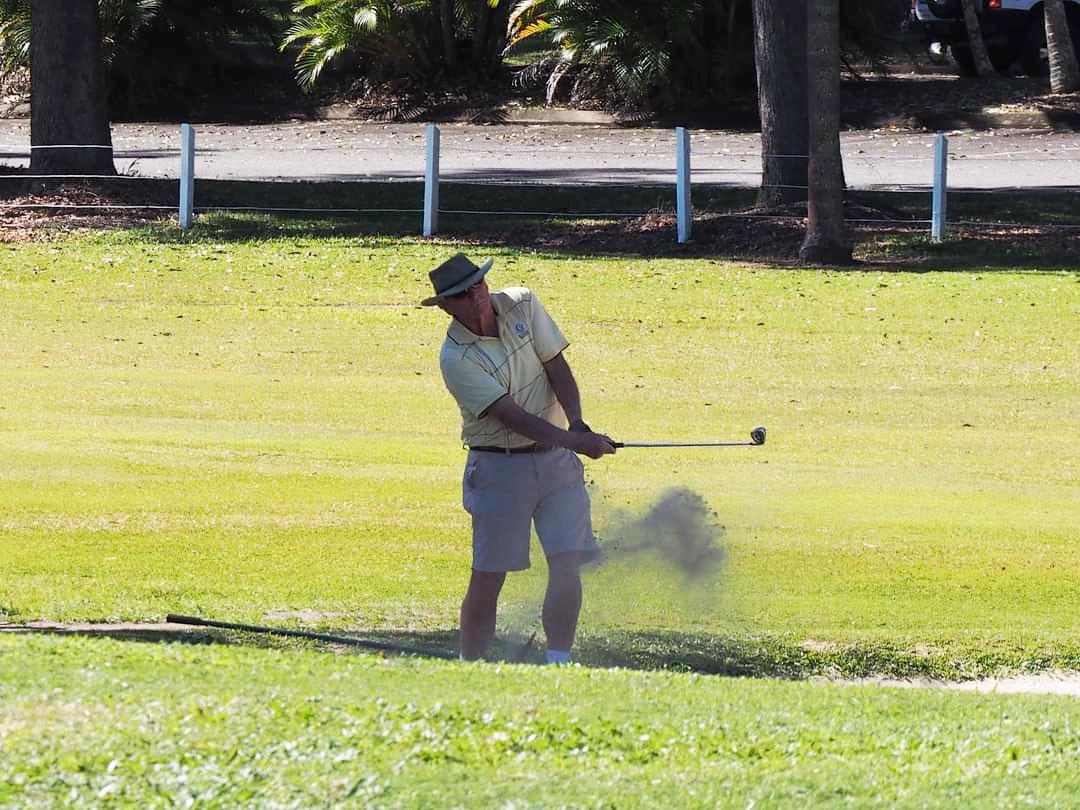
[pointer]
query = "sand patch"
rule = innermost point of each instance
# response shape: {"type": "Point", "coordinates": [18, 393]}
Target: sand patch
{"type": "Point", "coordinates": [1057, 682]}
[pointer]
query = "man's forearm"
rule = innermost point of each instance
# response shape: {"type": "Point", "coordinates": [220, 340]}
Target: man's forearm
{"type": "Point", "coordinates": [532, 427]}
{"type": "Point", "coordinates": [565, 387]}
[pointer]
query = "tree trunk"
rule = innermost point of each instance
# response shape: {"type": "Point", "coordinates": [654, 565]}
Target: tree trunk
{"type": "Point", "coordinates": [449, 33]}
{"type": "Point", "coordinates": [780, 56]}
{"type": "Point", "coordinates": [1064, 72]}
{"type": "Point", "coordinates": [730, 50]}
{"type": "Point", "coordinates": [68, 105]}
{"type": "Point", "coordinates": [983, 66]}
{"type": "Point", "coordinates": [826, 238]}
{"type": "Point", "coordinates": [497, 42]}
{"type": "Point", "coordinates": [480, 32]}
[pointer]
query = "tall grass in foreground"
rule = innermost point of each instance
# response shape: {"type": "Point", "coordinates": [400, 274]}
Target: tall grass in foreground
{"type": "Point", "coordinates": [94, 722]}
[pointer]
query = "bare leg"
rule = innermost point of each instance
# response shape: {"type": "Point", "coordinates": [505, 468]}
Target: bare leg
{"type": "Point", "coordinates": [478, 613]}
{"type": "Point", "coordinates": [562, 602]}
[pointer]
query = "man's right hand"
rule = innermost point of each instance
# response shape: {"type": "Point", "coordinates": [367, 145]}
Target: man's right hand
{"type": "Point", "coordinates": [593, 445]}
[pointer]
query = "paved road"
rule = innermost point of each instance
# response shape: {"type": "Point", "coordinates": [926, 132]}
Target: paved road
{"type": "Point", "coordinates": [351, 150]}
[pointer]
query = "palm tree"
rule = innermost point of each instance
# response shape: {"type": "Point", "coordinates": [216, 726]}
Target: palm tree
{"type": "Point", "coordinates": [659, 52]}
{"type": "Point", "coordinates": [448, 26]}
{"type": "Point", "coordinates": [378, 29]}
{"type": "Point", "coordinates": [1064, 72]}
{"type": "Point", "coordinates": [119, 21]}
{"type": "Point", "coordinates": [14, 35]}
{"type": "Point", "coordinates": [979, 54]}
{"type": "Point", "coordinates": [826, 241]}
{"type": "Point", "coordinates": [67, 101]}
{"type": "Point", "coordinates": [780, 57]}
{"type": "Point", "coordinates": [413, 38]}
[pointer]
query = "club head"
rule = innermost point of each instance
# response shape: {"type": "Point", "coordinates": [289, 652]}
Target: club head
{"type": "Point", "coordinates": [757, 435]}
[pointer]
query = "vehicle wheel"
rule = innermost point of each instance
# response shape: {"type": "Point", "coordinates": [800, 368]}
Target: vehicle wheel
{"type": "Point", "coordinates": [945, 9]}
{"type": "Point", "coordinates": [965, 62]}
{"type": "Point", "coordinates": [1033, 59]}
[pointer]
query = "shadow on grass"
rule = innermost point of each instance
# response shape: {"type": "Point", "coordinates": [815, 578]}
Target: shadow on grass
{"type": "Point", "coordinates": [425, 645]}
{"type": "Point", "coordinates": [752, 656]}
{"type": "Point", "coordinates": [1035, 230]}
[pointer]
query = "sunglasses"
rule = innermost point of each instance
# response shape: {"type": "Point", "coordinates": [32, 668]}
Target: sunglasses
{"type": "Point", "coordinates": [465, 293]}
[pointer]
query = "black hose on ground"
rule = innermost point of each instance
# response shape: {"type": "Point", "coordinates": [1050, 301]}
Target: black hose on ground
{"type": "Point", "coordinates": [327, 637]}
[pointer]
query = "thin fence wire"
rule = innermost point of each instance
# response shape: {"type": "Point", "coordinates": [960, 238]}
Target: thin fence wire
{"type": "Point", "coordinates": [552, 214]}
{"type": "Point", "coordinates": [4, 206]}
{"type": "Point", "coordinates": [257, 209]}
{"type": "Point", "coordinates": [71, 146]}
{"type": "Point", "coordinates": [80, 177]}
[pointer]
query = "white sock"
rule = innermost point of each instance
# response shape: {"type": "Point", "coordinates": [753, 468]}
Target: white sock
{"type": "Point", "coordinates": [558, 656]}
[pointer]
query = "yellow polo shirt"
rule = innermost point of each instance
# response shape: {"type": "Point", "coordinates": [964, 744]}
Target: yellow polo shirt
{"type": "Point", "coordinates": [479, 370]}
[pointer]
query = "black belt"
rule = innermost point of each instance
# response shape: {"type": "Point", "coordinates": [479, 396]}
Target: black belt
{"type": "Point", "coordinates": [532, 448]}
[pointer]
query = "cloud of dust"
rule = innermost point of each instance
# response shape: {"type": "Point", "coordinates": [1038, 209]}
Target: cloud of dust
{"type": "Point", "coordinates": [666, 559]}
{"type": "Point", "coordinates": [679, 528]}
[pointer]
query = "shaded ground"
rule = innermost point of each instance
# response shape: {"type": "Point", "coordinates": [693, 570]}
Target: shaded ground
{"type": "Point", "coordinates": [1024, 229]}
{"type": "Point", "coordinates": [916, 94]}
{"type": "Point", "coordinates": [943, 101]}
{"type": "Point", "coordinates": [627, 651]}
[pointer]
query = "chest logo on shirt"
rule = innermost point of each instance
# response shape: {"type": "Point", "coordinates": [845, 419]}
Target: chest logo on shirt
{"type": "Point", "coordinates": [521, 329]}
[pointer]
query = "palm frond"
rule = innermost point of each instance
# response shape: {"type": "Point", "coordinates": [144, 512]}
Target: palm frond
{"type": "Point", "coordinates": [14, 35]}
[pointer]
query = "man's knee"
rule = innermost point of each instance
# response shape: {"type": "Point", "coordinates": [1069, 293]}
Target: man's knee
{"type": "Point", "coordinates": [484, 588]}
{"type": "Point", "coordinates": [566, 566]}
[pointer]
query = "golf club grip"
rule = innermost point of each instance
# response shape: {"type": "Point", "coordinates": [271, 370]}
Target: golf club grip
{"type": "Point", "coordinates": [176, 618]}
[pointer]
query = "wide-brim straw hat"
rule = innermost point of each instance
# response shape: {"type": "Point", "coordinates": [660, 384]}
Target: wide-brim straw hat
{"type": "Point", "coordinates": [455, 275]}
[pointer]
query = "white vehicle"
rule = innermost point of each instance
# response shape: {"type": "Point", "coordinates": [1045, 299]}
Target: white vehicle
{"type": "Point", "coordinates": [1013, 30]}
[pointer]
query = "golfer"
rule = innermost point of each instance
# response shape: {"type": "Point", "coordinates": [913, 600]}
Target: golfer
{"type": "Point", "coordinates": [521, 420]}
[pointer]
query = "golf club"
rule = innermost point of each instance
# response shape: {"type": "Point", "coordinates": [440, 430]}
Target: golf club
{"type": "Point", "coordinates": [757, 436]}
{"type": "Point", "coordinates": [327, 637]}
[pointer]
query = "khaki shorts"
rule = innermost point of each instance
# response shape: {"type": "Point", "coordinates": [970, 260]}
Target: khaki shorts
{"type": "Point", "coordinates": [507, 492]}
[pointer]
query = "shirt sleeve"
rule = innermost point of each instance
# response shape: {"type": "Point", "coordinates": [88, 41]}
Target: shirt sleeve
{"type": "Point", "coordinates": [474, 389]}
{"type": "Point", "coordinates": [547, 339]}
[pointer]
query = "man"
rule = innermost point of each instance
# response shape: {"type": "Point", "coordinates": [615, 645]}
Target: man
{"type": "Point", "coordinates": [502, 360]}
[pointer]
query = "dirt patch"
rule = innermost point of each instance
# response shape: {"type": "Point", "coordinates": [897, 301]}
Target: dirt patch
{"type": "Point", "coordinates": [941, 101]}
{"type": "Point", "coordinates": [42, 216]}
{"type": "Point", "coordinates": [1043, 683]}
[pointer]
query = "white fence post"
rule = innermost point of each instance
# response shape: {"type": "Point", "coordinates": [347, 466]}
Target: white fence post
{"type": "Point", "coordinates": [431, 182]}
{"type": "Point", "coordinates": [682, 190]}
{"type": "Point", "coordinates": [187, 175]}
{"type": "Point", "coordinates": [941, 182]}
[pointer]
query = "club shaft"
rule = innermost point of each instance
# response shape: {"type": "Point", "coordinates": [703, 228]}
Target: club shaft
{"type": "Point", "coordinates": [282, 631]}
{"type": "Point", "coordinates": [685, 444]}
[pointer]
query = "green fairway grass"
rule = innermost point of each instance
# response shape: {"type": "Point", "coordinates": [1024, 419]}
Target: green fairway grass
{"type": "Point", "coordinates": [256, 430]}
{"type": "Point", "coordinates": [102, 723]}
